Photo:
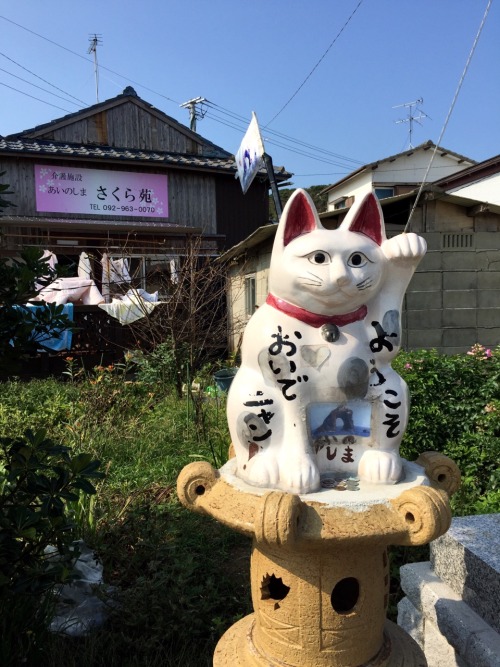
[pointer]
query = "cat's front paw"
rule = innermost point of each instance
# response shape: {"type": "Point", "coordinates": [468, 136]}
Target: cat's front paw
{"type": "Point", "coordinates": [404, 247]}
{"type": "Point", "coordinates": [261, 470]}
{"type": "Point", "coordinates": [300, 476]}
{"type": "Point", "coordinates": [380, 467]}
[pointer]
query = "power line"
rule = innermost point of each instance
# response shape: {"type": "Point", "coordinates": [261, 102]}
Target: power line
{"type": "Point", "coordinates": [35, 86]}
{"type": "Point", "coordinates": [452, 106]}
{"type": "Point", "coordinates": [34, 98]}
{"type": "Point", "coordinates": [317, 64]}
{"type": "Point", "coordinates": [227, 112]}
{"type": "Point", "coordinates": [41, 79]}
{"type": "Point", "coordinates": [137, 83]}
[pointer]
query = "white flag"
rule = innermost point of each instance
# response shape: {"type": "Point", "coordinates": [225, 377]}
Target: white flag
{"type": "Point", "coordinates": [249, 158]}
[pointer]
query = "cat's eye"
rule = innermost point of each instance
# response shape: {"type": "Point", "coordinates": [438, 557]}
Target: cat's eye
{"type": "Point", "coordinates": [357, 259]}
{"type": "Point", "coordinates": [319, 257]}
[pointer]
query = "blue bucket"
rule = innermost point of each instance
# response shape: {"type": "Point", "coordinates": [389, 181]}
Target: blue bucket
{"type": "Point", "coordinates": [224, 377]}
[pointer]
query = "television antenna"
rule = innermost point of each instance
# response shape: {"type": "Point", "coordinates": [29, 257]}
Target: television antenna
{"type": "Point", "coordinates": [412, 117]}
{"type": "Point", "coordinates": [95, 41]}
{"type": "Point", "coordinates": [195, 113]}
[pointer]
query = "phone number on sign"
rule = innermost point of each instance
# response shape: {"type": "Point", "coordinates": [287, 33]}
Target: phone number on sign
{"type": "Point", "coordinates": [125, 209]}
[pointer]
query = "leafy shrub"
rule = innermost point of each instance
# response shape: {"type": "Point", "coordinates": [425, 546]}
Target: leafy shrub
{"type": "Point", "coordinates": [37, 480]}
{"type": "Point", "coordinates": [455, 409]}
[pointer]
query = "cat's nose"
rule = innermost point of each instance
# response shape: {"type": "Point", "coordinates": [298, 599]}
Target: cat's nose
{"type": "Point", "coordinates": [342, 281]}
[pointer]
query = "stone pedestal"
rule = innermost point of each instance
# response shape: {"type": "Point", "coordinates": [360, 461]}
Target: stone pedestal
{"type": "Point", "coordinates": [319, 568]}
{"type": "Point", "coordinates": [452, 608]}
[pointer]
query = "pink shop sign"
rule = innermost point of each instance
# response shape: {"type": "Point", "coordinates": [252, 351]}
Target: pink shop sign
{"type": "Point", "coordinates": [100, 192]}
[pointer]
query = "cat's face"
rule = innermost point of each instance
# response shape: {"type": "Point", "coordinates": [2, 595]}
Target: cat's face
{"type": "Point", "coordinates": [330, 271]}
{"type": "Point", "coordinates": [326, 272]}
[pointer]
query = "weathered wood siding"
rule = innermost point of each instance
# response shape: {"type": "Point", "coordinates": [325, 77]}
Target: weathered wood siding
{"type": "Point", "coordinates": [192, 200]}
{"type": "Point", "coordinates": [125, 126]}
{"type": "Point", "coordinates": [239, 215]}
{"type": "Point", "coordinates": [192, 195]}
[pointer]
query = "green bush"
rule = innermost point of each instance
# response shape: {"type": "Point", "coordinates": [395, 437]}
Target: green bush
{"type": "Point", "coordinates": [37, 480]}
{"type": "Point", "coordinates": [455, 409]}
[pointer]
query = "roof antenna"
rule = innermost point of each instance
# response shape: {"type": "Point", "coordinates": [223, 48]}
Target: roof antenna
{"type": "Point", "coordinates": [194, 113]}
{"type": "Point", "coordinates": [95, 41]}
{"type": "Point", "coordinates": [413, 109]}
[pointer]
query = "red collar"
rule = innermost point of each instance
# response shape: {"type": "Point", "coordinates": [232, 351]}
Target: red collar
{"type": "Point", "coordinates": [314, 319]}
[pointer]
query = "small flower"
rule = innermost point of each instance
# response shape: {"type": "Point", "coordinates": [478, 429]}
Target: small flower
{"type": "Point", "coordinates": [69, 359]}
{"type": "Point", "coordinates": [408, 366]}
{"type": "Point", "coordinates": [490, 408]}
{"type": "Point", "coordinates": [487, 353]}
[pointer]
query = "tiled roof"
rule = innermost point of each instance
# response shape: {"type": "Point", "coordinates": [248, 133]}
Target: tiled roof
{"type": "Point", "coordinates": [47, 148]}
{"type": "Point", "coordinates": [61, 149]}
{"type": "Point", "coordinates": [128, 96]}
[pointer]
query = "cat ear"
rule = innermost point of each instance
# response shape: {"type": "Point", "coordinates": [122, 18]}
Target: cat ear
{"type": "Point", "coordinates": [367, 219]}
{"type": "Point", "coordinates": [299, 217]}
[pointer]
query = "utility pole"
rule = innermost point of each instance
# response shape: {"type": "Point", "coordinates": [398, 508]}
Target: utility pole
{"type": "Point", "coordinates": [95, 41]}
{"type": "Point", "coordinates": [194, 113]}
{"type": "Point", "coordinates": [413, 108]}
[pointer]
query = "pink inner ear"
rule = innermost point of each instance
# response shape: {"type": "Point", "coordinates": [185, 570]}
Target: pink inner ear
{"type": "Point", "coordinates": [300, 218]}
{"type": "Point", "coordinates": [368, 220]}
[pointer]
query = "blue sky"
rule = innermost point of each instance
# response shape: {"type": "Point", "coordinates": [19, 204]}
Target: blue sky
{"type": "Point", "coordinates": [322, 76]}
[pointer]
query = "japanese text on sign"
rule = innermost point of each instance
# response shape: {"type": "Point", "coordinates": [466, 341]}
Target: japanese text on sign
{"type": "Point", "coordinates": [100, 192]}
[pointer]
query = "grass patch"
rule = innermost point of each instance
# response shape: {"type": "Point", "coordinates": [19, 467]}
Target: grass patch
{"type": "Point", "coordinates": [181, 579]}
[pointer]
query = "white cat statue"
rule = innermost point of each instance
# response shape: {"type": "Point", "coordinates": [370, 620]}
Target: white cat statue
{"type": "Point", "coordinates": [316, 395]}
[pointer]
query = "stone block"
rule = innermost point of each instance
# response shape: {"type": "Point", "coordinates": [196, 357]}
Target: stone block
{"type": "Point", "coordinates": [459, 317]}
{"type": "Point", "coordinates": [432, 261]}
{"type": "Point", "coordinates": [487, 240]}
{"type": "Point", "coordinates": [488, 280]}
{"type": "Point", "coordinates": [424, 300]}
{"type": "Point", "coordinates": [460, 299]}
{"type": "Point", "coordinates": [460, 280]}
{"type": "Point", "coordinates": [466, 260]}
{"type": "Point", "coordinates": [426, 282]}
{"type": "Point", "coordinates": [428, 338]}
{"type": "Point", "coordinates": [476, 643]}
{"type": "Point", "coordinates": [489, 298]}
{"type": "Point", "coordinates": [424, 319]}
{"type": "Point", "coordinates": [459, 337]}
{"type": "Point", "coordinates": [467, 558]}
{"type": "Point", "coordinates": [488, 317]}
{"type": "Point", "coordinates": [411, 620]}
{"type": "Point", "coordinates": [438, 651]}
{"type": "Point", "coordinates": [433, 240]}
{"type": "Point", "coordinates": [489, 337]}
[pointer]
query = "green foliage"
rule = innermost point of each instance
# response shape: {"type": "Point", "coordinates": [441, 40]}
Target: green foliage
{"type": "Point", "coordinates": [37, 480]}
{"type": "Point", "coordinates": [182, 579]}
{"type": "Point", "coordinates": [319, 198]}
{"type": "Point", "coordinates": [161, 365]}
{"type": "Point", "coordinates": [455, 409]}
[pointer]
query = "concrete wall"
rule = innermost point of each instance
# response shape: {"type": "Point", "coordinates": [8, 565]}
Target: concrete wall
{"type": "Point", "coordinates": [453, 300]}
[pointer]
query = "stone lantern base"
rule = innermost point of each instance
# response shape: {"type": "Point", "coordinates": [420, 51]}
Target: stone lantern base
{"type": "Point", "coordinates": [319, 567]}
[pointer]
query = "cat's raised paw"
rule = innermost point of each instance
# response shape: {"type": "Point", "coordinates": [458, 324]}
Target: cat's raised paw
{"type": "Point", "coordinates": [404, 247]}
{"type": "Point", "coordinates": [380, 467]}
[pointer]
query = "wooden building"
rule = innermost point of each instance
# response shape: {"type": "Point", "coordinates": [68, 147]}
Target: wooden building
{"type": "Point", "coordinates": [85, 182]}
{"type": "Point", "coordinates": [122, 179]}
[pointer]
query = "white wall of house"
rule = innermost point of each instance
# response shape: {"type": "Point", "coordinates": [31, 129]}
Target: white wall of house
{"type": "Point", "coordinates": [406, 169]}
{"type": "Point", "coordinates": [486, 190]}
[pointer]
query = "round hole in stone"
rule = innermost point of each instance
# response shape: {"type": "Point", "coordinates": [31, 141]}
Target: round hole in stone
{"type": "Point", "coordinates": [200, 490]}
{"type": "Point", "coordinates": [441, 478]}
{"type": "Point", "coordinates": [409, 517]}
{"type": "Point", "coordinates": [345, 595]}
